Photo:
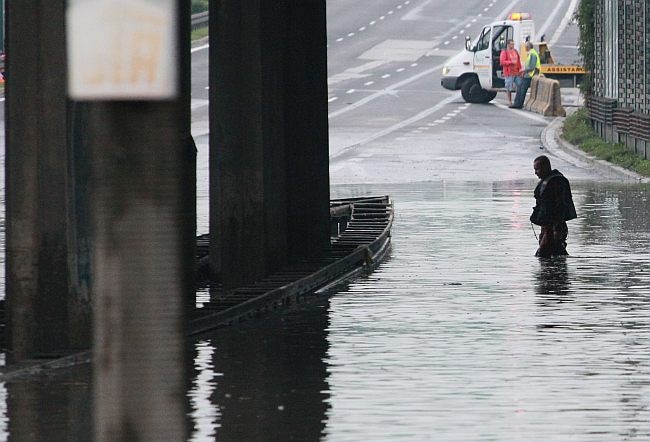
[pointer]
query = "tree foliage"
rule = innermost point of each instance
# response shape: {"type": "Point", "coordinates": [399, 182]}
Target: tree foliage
{"type": "Point", "coordinates": [585, 16]}
{"type": "Point", "coordinates": [199, 6]}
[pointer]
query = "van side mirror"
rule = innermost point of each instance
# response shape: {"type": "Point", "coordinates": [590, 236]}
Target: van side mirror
{"type": "Point", "coordinates": [468, 42]}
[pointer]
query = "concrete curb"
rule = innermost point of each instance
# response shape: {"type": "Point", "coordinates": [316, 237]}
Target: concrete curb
{"type": "Point", "coordinates": [561, 148]}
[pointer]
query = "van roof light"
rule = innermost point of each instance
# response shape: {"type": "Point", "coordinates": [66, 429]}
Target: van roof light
{"type": "Point", "coordinates": [519, 16]}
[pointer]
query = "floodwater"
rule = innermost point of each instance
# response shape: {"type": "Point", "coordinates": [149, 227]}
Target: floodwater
{"type": "Point", "coordinates": [460, 335]}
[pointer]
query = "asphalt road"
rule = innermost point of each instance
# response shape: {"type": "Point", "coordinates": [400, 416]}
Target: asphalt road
{"type": "Point", "coordinates": [391, 121]}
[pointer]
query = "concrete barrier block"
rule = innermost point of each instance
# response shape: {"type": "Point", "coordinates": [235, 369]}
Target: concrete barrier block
{"type": "Point", "coordinates": [542, 96]}
{"type": "Point", "coordinates": [558, 109]}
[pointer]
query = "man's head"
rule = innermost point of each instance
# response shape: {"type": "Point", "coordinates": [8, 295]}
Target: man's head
{"type": "Point", "coordinates": [511, 44]}
{"type": "Point", "coordinates": [529, 45]}
{"type": "Point", "coordinates": [542, 166]}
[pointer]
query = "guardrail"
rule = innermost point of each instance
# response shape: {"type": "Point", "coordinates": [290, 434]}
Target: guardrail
{"type": "Point", "coordinates": [200, 20]}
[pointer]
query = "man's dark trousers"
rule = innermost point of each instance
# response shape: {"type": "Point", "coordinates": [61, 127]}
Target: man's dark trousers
{"type": "Point", "coordinates": [521, 92]}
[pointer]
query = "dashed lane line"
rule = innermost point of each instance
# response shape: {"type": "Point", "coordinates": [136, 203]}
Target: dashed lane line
{"type": "Point", "coordinates": [405, 123]}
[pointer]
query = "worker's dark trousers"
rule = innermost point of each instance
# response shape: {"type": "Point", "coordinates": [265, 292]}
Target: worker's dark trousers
{"type": "Point", "coordinates": [524, 84]}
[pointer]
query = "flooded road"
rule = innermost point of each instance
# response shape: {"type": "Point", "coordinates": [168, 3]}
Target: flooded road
{"type": "Point", "coordinates": [462, 334]}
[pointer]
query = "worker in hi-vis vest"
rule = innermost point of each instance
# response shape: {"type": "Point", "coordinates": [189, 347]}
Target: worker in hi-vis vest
{"type": "Point", "coordinates": [531, 68]}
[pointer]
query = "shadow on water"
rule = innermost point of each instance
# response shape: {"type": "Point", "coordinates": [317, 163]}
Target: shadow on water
{"type": "Point", "coordinates": [264, 380]}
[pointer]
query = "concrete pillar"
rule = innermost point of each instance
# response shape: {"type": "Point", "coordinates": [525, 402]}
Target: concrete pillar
{"type": "Point", "coordinates": [268, 146]}
{"type": "Point", "coordinates": [306, 124]}
{"type": "Point", "coordinates": [46, 316]}
{"type": "Point", "coordinates": [139, 269]}
{"type": "Point", "coordinates": [143, 265]}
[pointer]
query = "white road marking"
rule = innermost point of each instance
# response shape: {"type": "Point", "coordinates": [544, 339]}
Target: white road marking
{"type": "Point", "coordinates": [523, 113]}
{"type": "Point", "coordinates": [563, 24]}
{"type": "Point", "coordinates": [385, 76]}
{"type": "Point", "coordinates": [339, 39]}
{"type": "Point", "coordinates": [368, 83]}
{"type": "Point", "coordinates": [405, 123]}
{"type": "Point", "coordinates": [200, 48]}
{"type": "Point", "coordinates": [350, 91]}
{"type": "Point", "coordinates": [385, 91]}
{"type": "Point", "coordinates": [332, 99]}
{"type": "Point", "coordinates": [542, 30]}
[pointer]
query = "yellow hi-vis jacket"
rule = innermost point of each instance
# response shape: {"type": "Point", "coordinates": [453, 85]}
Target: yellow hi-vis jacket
{"type": "Point", "coordinates": [538, 65]}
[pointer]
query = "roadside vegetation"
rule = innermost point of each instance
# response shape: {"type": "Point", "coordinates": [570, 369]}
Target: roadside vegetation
{"type": "Point", "coordinates": [586, 26]}
{"type": "Point", "coordinates": [199, 6]}
{"type": "Point", "coordinates": [577, 130]}
{"type": "Point", "coordinates": [199, 33]}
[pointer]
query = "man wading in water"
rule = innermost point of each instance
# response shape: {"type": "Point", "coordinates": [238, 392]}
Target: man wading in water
{"type": "Point", "coordinates": [553, 208]}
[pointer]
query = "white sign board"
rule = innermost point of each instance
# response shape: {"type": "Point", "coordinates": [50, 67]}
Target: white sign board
{"type": "Point", "coordinates": [122, 50]}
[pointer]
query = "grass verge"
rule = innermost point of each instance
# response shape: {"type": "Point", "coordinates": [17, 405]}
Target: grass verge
{"type": "Point", "coordinates": [199, 33]}
{"type": "Point", "coordinates": [577, 131]}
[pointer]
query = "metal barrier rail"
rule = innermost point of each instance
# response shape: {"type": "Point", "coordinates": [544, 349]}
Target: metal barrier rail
{"type": "Point", "coordinates": [601, 109]}
{"type": "Point", "coordinates": [361, 246]}
{"type": "Point", "coordinates": [200, 20]}
{"type": "Point", "coordinates": [640, 126]}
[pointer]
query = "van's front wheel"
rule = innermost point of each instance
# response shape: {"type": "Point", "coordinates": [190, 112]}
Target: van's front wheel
{"type": "Point", "coordinates": [471, 90]}
{"type": "Point", "coordinates": [489, 96]}
{"type": "Point", "coordinates": [473, 93]}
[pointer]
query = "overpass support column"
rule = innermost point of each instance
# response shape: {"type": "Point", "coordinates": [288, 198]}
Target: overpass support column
{"type": "Point", "coordinates": [306, 123]}
{"type": "Point", "coordinates": [48, 314]}
{"type": "Point", "coordinates": [269, 191]}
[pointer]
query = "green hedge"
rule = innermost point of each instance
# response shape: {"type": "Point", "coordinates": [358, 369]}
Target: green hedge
{"type": "Point", "coordinates": [578, 131]}
{"type": "Point", "coordinates": [585, 16]}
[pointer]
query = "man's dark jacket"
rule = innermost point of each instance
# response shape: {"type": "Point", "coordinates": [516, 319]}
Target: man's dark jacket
{"type": "Point", "coordinates": [554, 201]}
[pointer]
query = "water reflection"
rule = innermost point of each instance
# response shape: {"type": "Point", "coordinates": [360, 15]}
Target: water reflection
{"type": "Point", "coordinates": [204, 413]}
{"type": "Point", "coordinates": [271, 377]}
{"type": "Point", "coordinates": [51, 407]}
{"type": "Point", "coordinates": [553, 282]}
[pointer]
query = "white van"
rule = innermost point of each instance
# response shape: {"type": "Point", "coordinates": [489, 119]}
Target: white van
{"type": "Point", "coordinates": [476, 71]}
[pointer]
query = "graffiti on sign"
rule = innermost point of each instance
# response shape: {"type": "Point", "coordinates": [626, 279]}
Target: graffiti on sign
{"type": "Point", "coordinates": [121, 49]}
